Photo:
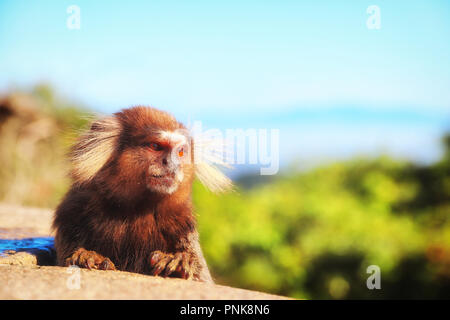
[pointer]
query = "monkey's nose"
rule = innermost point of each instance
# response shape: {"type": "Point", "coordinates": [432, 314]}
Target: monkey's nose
{"type": "Point", "coordinates": [169, 165]}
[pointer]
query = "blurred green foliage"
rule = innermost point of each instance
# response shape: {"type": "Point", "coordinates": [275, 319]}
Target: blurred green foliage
{"type": "Point", "coordinates": [301, 234]}
{"type": "Point", "coordinates": [313, 234]}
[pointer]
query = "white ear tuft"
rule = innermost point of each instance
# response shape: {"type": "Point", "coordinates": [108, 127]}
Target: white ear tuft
{"type": "Point", "coordinates": [209, 153]}
{"type": "Point", "coordinates": [94, 148]}
{"type": "Point", "coordinates": [213, 178]}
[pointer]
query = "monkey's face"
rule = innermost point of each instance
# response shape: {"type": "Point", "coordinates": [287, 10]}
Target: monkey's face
{"type": "Point", "coordinates": [167, 153]}
{"type": "Point", "coordinates": [158, 160]}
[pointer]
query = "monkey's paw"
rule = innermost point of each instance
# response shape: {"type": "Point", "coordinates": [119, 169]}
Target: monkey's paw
{"type": "Point", "coordinates": [90, 260]}
{"type": "Point", "coordinates": [179, 265]}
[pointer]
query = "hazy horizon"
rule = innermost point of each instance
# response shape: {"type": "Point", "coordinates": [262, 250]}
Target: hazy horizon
{"type": "Point", "coordinates": [334, 87]}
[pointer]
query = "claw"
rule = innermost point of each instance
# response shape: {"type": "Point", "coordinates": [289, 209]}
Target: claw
{"type": "Point", "coordinates": [90, 263]}
{"type": "Point", "coordinates": [173, 265]}
{"type": "Point", "coordinates": [156, 256]}
{"type": "Point", "coordinates": [107, 265]}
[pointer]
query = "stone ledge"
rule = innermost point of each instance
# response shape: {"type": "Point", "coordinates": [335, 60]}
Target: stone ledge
{"type": "Point", "coordinates": [40, 282]}
{"type": "Point", "coordinates": [26, 271]}
{"type": "Point", "coordinates": [20, 222]}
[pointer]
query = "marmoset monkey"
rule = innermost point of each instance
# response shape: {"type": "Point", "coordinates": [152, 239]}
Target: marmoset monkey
{"type": "Point", "coordinates": [129, 207]}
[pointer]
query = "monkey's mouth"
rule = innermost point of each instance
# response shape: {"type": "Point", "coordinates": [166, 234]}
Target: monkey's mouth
{"type": "Point", "coordinates": [163, 179]}
{"type": "Point", "coordinates": [163, 183]}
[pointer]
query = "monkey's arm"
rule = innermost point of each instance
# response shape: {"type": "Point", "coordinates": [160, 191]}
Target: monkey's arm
{"type": "Point", "coordinates": [70, 234]}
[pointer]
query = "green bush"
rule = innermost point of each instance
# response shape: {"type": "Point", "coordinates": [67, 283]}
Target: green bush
{"type": "Point", "coordinates": [313, 234]}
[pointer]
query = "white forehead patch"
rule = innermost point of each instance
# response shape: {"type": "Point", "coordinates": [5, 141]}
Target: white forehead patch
{"type": "Point", "coordinates": [174, 137]}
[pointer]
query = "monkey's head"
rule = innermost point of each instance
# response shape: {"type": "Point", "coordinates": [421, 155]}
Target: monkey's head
{"type": "Point", "coordinates": [140, 150]}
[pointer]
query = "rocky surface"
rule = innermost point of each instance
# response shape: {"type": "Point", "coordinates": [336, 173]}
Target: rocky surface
{"type": "Point", "coordinates": [38, 282]}
{"type": "Point", "coordinates": [21, 222]}
{"type": "Point", "coordinates": [26, 271]}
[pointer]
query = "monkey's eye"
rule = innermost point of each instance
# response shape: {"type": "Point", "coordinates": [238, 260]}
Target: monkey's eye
{"type": "Point", "coordinates": [154, 146]}
{"type": "Point", "coordinates": [181, 152]}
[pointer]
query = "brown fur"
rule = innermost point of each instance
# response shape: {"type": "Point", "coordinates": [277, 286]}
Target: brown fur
{"type": "Point", "coordinates": [112, 208]}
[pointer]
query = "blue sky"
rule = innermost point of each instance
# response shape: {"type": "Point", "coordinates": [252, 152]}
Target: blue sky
{"type": "Point", "coordinates": [313, 69]}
